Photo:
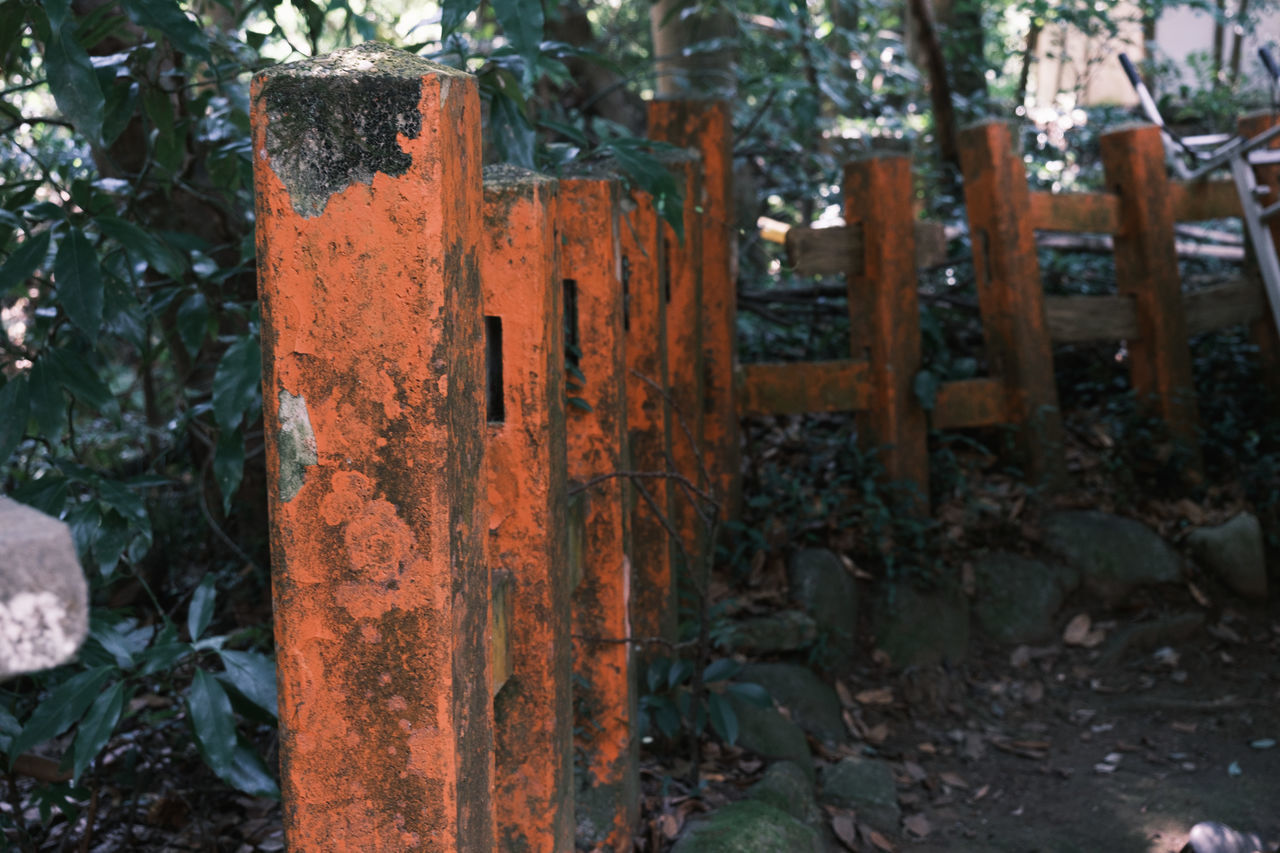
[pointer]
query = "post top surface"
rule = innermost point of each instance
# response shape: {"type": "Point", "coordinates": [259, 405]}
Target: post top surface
{"type": "Point", "coordinates": [499, 175]}
{"type": "Point", "coordinates": [1128, 127]}
{"type": "Point", "coordinates": [371, 59]}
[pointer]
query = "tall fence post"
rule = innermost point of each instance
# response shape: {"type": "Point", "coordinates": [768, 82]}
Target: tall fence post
{"type": "Point", "coordinates": [367, 181]}
{"type": "Point", "coordinates": [608, 798]}
{"type": "Point", "coordinates": [644, 270]}
{"type": "Point", "coordinates": [528, 503]}
{"type": "Point", "coordinates": [683, 300]}
{"type": "Point", "coordinates": [1010, 295]}
{"type": "Point", "coordinates": [1263, 330]}
{"type": "Point", "coordinates": [1147, 270]}
{"type": "Point", "coordinates": [885, 316]}
{"type": "Point", "coordinates": [708, 127]}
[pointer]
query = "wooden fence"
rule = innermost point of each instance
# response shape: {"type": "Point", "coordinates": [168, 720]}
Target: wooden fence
{"type": "Point", "coordinates": [459, 569]}
{"type": "Point", "coordinates": [1150, 311]}
{"type": "Point", "coordinates": [461, 563]}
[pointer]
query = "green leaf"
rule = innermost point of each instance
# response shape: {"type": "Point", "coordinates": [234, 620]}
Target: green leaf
{"type": "Point", "coordinates": [153, 250]}
{"type": "Point", "coordinates": [579, 403]}
{"type": "Point", "coordinates": [62, 709]}
{"type": "Point", "coordinates": [237, 382]}
{"type": "Point", "coordinates": [248, 773]}
{"type": "Point", "coordinates": [724, 720]}
{"type": "Point", "coordinates": [15, 409]}
{"type": "Point", "coordinates": [24, 261]}
{"type": "Point", "coordinates": [254, 675]}
{"type": "Point", "coordinates": [926, 386]}
{"type": "Point", "coordinates": [78, 378]}
{"type": "Point", "coordinates": [720, 669]}
{"type": "Point", "coordinates": [48, 406]}
{"type": "Point", "coordinates": [213, 722]}
{"type": "Point", "coordinates": [162, 657]}
{"type": "Point", "coordinates": [167, 17]}
{"type": "Point", "coordinates": [753, 693]}
{"type": "Point", "coordinates": [522, 23]}
{"type": "Point", "coordinates": [96, 728]}
{"type": "Point", "coordinates": [79, 280]}
{"type": "Point", "coordinates": [74, 83]}
{"type": "Point", "coordinates": [10, 728]}
{"type": "Point", "coordinates": [679, 672]}
{"type": "Point", "coordinates": [200, 611]}
{"type": "Point", "coordinates": [193, 321]}
{"type": "Point", "coordinates": [510, 131]}
{"type": "Point", "coordinates": [228, 465]}
{"type": "Point", "coordinates": [454, 13]}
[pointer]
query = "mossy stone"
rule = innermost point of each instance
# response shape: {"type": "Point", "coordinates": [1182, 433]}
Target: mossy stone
{"type": "Point", "coordinates": [748, 826]}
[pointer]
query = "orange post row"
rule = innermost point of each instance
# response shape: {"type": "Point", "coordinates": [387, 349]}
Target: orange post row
{"type": "Point", "coordinates": [373, 392]}
{"type": "Point", "coordinates": [682, 300]}
{"type": "Point", "coordinates": [607, 799]}
{"type": "Point", "coordinates": [707, 126]}
{"type": "Point", "coordinates": [1263, 331]}
{"type": "Point", "coordinates": [528, 501]}
{"type": "Point", "coordinates": [1147, 270]}
{"type": "Point", "coordinates": [644, 270]}
{"type": "Point", "coordinates": [885, 317]}
{"type": "Point", "coordinates": [1010, 296]}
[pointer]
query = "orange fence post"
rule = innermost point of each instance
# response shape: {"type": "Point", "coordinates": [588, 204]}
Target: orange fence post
{"type": "Point", "coordinates": [707, 126]}
{"type": "Point", "coordinates": [607, 799]}
{"type": "Point", "coordinates": [1147, 270]}
{"type": "Point", "coordinates": [884, 312]}
{"type": "Point", "coordinates": [528, 503]}
{"type": "Point", "coordinates": [367, 183]}
{"type": "Point", "coordinates": [1263, 330]}
{"type": "Point", "coordinates": [644, 270]}
{"type": "Point", "coordinates": [1010, 295]}
{"type": "Point", "coordinates": [682, 296]}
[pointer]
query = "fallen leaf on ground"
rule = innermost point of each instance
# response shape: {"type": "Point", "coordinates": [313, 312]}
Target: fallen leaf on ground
{"type": "Point", "coordinates": [669, 826]}
{"type": "Point", "coordinates": [1077, 629]}
{"type": "Point", "coordinates": [980, 793]}
{"type": "Point", "coordinates": [846, 697]}
{"type": "Point", "coordinates": [918, 825]}
{"type": "Point", "coordinates": [1185, 728]}
{"type": "Point", "coordinates": [1200, 597]}
{"type": "Point", "coordinates": [955, 780]}
{"type": "Point", "coordinates": [845, 829]}
{"type": "Point", "coordinates": [875, 696]}
{"type": "Point", "coordinates": [876, 734]}
{"type": "Point", "coordinates": [879, 841]}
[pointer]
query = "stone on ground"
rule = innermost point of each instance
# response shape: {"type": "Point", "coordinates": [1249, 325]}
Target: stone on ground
{"type": "Point", "coordinates": [1113, 555]}
{"type": "Point", "coordinates": [748, 826]}
{"type": "Point", "coordinates": [1017, 598]}
{"type": "Point", "coordinates": [811, 702]}
{"type": "Point", "coordinates": [1234, 552]}
{"type": "Point", "coordinates": [865, 785]}
{"type": "Point", "coordinates": [916, 628]}
{"type": "Point", "coordinates": [770, 735]}
{"type": "Point", "coordinates": [784, 631]}
{"type": "Point", "coordinates": [785, 786]}
{"type": "Point", "coordinates": [820, 583]}
{"type": "Point", "coordinates": [43, 597]}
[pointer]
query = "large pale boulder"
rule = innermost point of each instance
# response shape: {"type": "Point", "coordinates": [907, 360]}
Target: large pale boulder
{"type": "Point", "coordinates": [1234, 552]}
{"type": "Point", "coordinates": [43, 596]}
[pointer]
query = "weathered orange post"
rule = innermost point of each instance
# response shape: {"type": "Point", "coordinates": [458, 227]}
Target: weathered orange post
{"type": "Point", "coordinates": [644, 269]}
{"type": "Point", "coordinates": [682, 296]}
{"type": "Point", "coordinates": [1263, 330]}
{"type": "Point", "coordinates": [608, 799]}
{"type": "Point", "coordinates": [528, 500]}
{"type": "Point", "coordinates": [885, 316]}
{"type": "Point", "coordinates": [707, 126]}
{"type": "Point", "coordinates": [1147, 270]}
{"type": "Point", "coordinates": [367, 178]}
{"type": "Point", "coordinates": [1010, 296]}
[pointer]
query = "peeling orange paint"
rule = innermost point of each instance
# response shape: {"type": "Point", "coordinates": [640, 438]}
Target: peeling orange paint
{"type": "Point", "coordinates": [608, 798]}
{"type": "Point", "coordinates": [707, 126]}
{"type": "Point", "coordinates": [364, 248]}
{"type": "Point", "coordinates": [526, 481]}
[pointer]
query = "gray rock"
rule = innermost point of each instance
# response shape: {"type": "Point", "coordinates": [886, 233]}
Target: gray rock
{"type": "Point", "coordinates": [785, 786]}
{"type": "Point", "coordinates": [1017, 598]}
{"type": "Point", "coordinates": [1210, 837]}
{"type": "Point", "coordinates": [820, 583]}
{"type": "Point", "coordinates": [770, 735]}
{"type": "Point", "coordinates": [784, 631]}
{"type": "Point", "coordinates": [1234, 552]}
{"type": "Point", "coordinates": [748, 826]}
{"type": "Point", "coordinates": [43, 595]}
{"type": "Point", "coordinates": [865, 785]}
{"type": "Point", "coordinates": [917, 628]}
{"type": "Point", "coordinates": [811, 702]}
{"type": "Point", "coordinates": [1114, 555]}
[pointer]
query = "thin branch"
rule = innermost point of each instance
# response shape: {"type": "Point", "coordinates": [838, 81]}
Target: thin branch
{"type": "Point", "coordinates": [640, 475]}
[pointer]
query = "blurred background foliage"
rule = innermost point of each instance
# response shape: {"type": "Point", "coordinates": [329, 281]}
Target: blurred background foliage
{"type": "Point", "coordinates": [129, 360]}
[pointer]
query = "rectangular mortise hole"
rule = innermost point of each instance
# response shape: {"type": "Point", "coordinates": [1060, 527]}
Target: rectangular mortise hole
{"type": "Point", "coordinates": [666, 270]}
{"type": "Point", "coordinates": [626, 293]}
{"type": "Point", "coordinates": [495, 404]}
{"type": "Point", "coordinates": [572, 342]}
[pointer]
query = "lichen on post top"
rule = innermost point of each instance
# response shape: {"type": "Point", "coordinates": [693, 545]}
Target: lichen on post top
{"type": "Point", "coordinates": [335, 120]}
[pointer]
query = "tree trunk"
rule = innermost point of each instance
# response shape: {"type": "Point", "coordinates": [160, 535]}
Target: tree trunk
{"type": "Point", "coordinates": [944, 115]}
{"type": "Point", "coordinates": [596, 89]}
{"type": "Point", "coordinates": [677, 26]}
{"type": "Point", "coordinates": [1028, 57]}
